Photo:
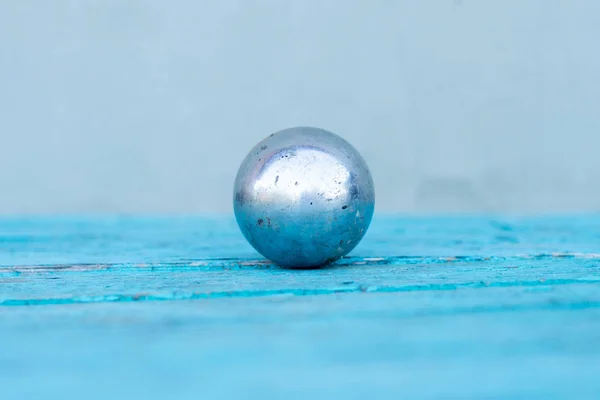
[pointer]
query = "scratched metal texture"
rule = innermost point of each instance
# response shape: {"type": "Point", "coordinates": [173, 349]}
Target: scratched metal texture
{"type": "Point", "coordinates": [183, 308]}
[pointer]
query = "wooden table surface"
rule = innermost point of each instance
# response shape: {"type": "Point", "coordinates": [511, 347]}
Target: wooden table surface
{"type": "Point", "coordinates": [183, 308]}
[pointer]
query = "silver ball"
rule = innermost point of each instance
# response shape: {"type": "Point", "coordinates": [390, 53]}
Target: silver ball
{"type": "Point", "coordinates": [303, 197]}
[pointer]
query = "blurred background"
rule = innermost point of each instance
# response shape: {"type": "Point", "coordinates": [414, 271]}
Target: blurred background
{"type": "Point", "coordinates": [122, 106]}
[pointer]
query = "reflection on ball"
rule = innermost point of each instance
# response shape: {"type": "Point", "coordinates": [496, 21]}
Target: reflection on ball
{"type": "Point", "coordinates": [303, 197]}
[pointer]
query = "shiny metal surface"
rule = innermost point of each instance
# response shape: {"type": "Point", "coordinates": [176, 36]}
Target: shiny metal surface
{"type": "Point", "coordinates": [303, 197]}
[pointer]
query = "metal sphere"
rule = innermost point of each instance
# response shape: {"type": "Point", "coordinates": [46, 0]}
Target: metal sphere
{"type": "Point", "coordinates": [303, 197]}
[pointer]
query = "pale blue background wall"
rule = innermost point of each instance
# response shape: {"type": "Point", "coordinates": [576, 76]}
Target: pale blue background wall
{"type": "Point", "coordinates": [149, 106]}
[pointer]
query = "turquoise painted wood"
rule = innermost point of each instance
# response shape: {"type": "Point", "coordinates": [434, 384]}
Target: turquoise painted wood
{"type": "Point", "coordinates": [183, 308]}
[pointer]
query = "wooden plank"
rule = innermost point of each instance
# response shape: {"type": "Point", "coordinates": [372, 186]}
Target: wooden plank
{"type": "Point", "coordinates": [183, 308]}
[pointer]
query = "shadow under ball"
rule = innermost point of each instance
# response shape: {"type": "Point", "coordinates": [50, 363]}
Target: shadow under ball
{"type": "Point", "coordinates": [303, 197]}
